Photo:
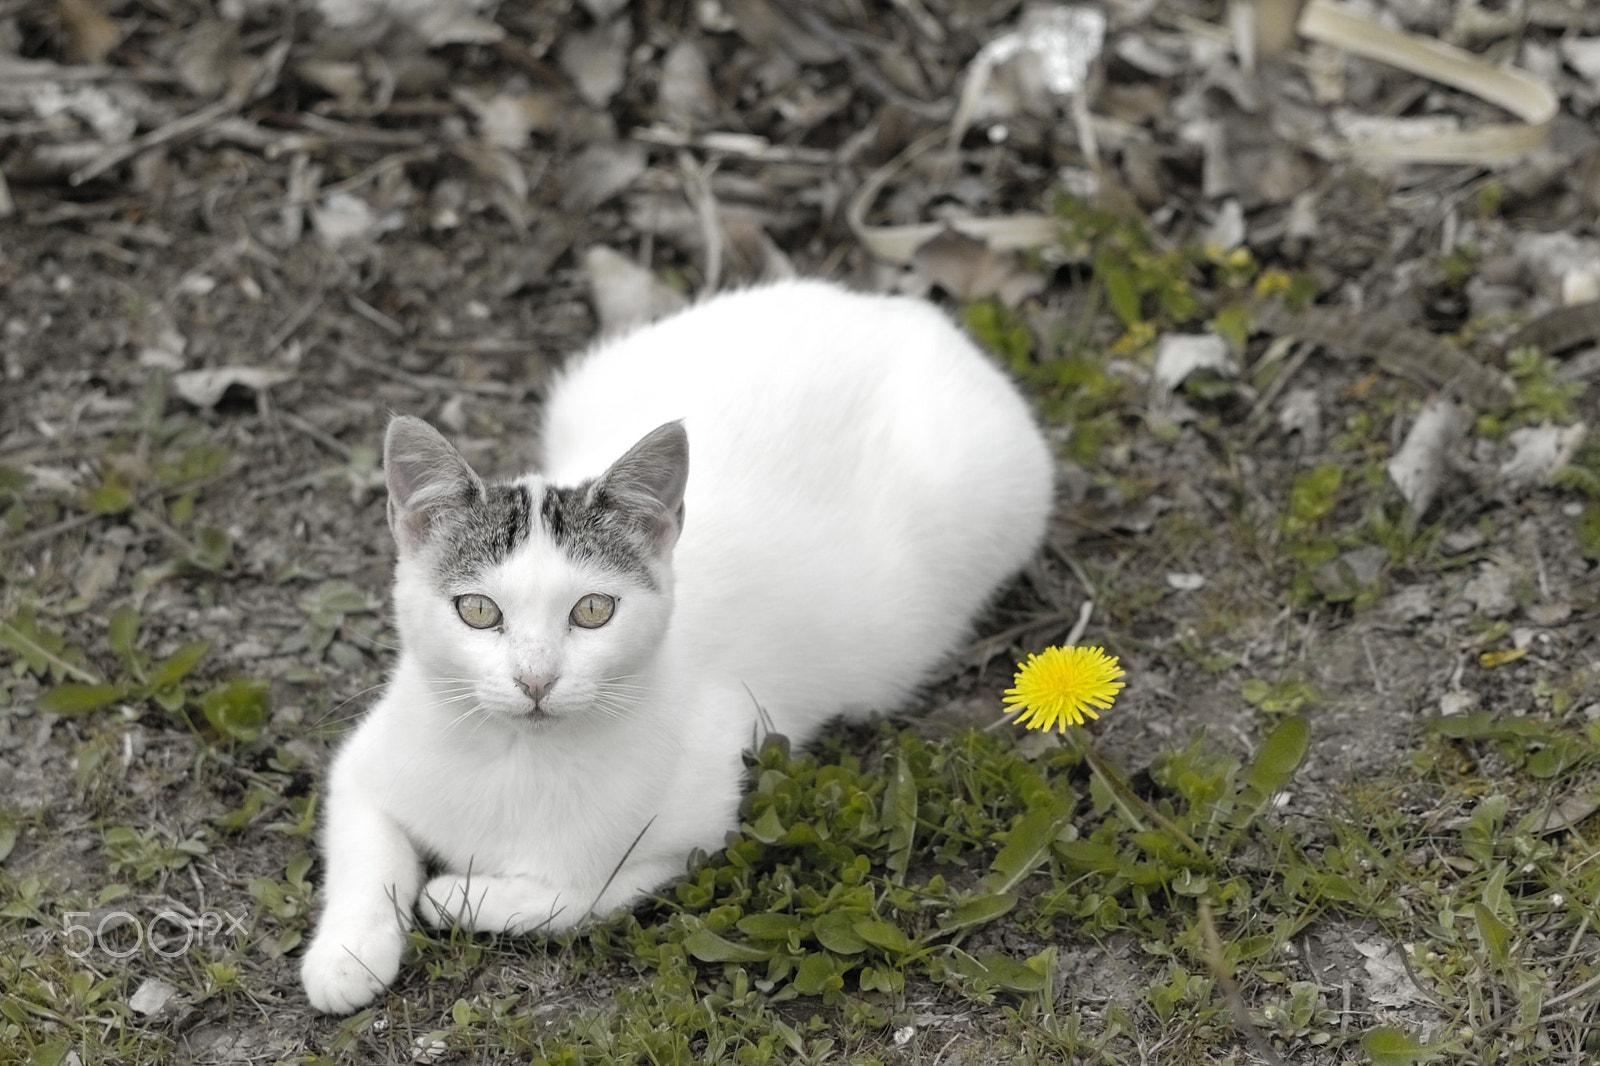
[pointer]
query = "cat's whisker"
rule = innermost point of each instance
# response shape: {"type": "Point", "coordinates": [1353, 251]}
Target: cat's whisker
{"type": "Point", "coordinates": [342, 704]}
{"type": "Point", "coordinates": [455, 723]}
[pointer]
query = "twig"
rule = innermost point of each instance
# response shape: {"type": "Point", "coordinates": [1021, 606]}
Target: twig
{"type": "Point", "coordinates": [1405, 962]}
{"type": "Point", "coordinates": [375, 316]}
{"type": "Point", "coordinates": [1230, 988]}
{"type": "Point", "coordinates": [292, 324]}
{"type": "Point", "coordinates": [1291, 366]}
{"type": "Point", "coordinates": [430, 383]}
{"type": "Point", "coordinates": [1085, 611]}
{"type": "Point", "coordinates": [744, 145]}
{"type": "Point", "coordinates": [1107, 773]}
{"type": "Point", "coordinates": [185, 126]}
{"type": "Point", "coordinates": [321, 436]}
{"type": "Point", "coordinates": [697, 187]}
{"type": "Point", "coordinates": [987, 648]}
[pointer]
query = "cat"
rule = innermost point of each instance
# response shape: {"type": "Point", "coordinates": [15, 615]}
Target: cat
{"type": "Point", "coordinates": [587, 650]}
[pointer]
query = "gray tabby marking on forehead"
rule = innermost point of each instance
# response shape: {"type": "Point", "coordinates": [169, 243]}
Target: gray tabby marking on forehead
{"type": "Point", "coordinates": [486, 532]}
{"type": "Point", "coordinates": [582, 523]}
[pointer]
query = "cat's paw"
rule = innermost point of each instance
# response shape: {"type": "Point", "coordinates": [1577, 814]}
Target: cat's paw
{"type": "Point", "coordinates": [344, 970]}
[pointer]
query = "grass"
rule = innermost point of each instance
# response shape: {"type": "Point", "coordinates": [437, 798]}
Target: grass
{"type": "Point", "coordinates": [900, 894]}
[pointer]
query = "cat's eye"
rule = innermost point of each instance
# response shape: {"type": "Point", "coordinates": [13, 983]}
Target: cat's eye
{"type": "Point", "coordinates": [479, 612]}
{"type": "Point", "coordinates": [593, 610]}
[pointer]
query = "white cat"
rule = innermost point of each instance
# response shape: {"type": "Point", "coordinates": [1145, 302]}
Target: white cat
{"type": "Point", "coordinates": [587, 650]}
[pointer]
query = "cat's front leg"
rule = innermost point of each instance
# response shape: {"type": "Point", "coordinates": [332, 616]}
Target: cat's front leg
{"type": "Point", "coordinates": [373, 874]}
{"type": "Point", "coordinates": [521, 904]}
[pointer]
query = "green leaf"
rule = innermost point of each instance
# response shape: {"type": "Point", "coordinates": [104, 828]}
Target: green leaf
{"type": "Point", "coordinates": [768, 828]}
{"type": "Point", "coordinates": [238, 709]}
{"type": "Point", "coordinates": [296, 869]}
{"type": "Point", "coordinates": [1389, 1046]}
{"type": "Point", "coordinates": [1093, 855]}
{"type": "Point", "coordinates": [768, 926]}
{"type": "Point", "coordinates": [1026, 848]}
{"type": "Point", "coordinates": [1496, 936]}
{"type": "Point", "coordinates": [70, 697]}
{"type": "Point", "coordinates": [1120, 292]}
{"type": "Point", "coordinates": [707, 946]}
{"type": "Point", "coordinates": [1233, 323]}
{"type": "Point", "coordinates": [1010, 974]}
{"type": "Point", "coordinates": [46, 653]}
{"type": "Point", "coordinates": [111, 496]}
{"type": "Point", "coordinates": [998, 969]}
{"type": "Point", "coordinates": [122, 634]}
{"type": "Point", "coordinates": [213, 547]}
{"type": "Point", "coordinates": [176, 667]}
{"type": "Point", "coordinates": [818, 974]}
{"type": "Point", "coordinates": [885, 935]}
{"type": "Point", "coordinates": [1276, 761]}
{"type": "Point", "coordinates": [900, 816]}
{"type": "Point", "coordinates": [978, 911]}
{"type": "Point", "coordinates": [8, 834]}
{"type": "Point", "coordinates": [836, 931]}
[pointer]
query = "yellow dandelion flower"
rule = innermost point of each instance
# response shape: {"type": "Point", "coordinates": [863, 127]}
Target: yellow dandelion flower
{"type": "Point", "coordinates": [1272, 282]}
{"type": "Point", "coordinates": [1063, 686]}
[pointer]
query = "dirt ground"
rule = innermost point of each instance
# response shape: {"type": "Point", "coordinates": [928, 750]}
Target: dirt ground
{"type": "Point", "coordinates": [239, 236]}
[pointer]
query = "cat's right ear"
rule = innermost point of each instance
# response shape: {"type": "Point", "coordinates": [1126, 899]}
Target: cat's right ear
{"type": "Point", "coordinates": [427, 479]}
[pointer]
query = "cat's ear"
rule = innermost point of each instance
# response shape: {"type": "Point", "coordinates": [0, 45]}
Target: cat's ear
{"type": "Point", "coordinates": [645, 487]}
{"type": "Point", "coordinates": [427, 479]}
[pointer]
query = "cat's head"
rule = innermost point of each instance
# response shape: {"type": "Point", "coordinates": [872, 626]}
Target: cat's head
{"type": "Point", "coordinates": [529, 601]}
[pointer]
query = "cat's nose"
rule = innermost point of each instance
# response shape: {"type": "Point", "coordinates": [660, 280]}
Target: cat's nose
{"type": "Point", "coordinates": [536, 686]}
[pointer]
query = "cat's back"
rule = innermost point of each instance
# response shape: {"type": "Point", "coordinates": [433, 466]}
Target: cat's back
{"type": "Point", "coordinates": [861, 477]}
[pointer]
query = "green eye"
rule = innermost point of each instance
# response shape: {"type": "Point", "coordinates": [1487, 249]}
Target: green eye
{"type": "Point", "coordinates": [477, 611]}
{"type": "Point", "coordinates": [593, 610]}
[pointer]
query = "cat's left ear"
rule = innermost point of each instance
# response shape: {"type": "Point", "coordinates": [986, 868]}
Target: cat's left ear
{"type": "Point", "coordinates": [645, 487]}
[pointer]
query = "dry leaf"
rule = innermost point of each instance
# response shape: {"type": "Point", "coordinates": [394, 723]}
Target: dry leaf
{"type": "Point", "coordinates": [601, 171]}
{"type": "Point", "coordinates": [1490, 591]}
{"type": "Point", "coordinates": [507, 120]}
{"type": "Point", "coordinates": [684, 98]}
{"type": "Point", "coordinates": [91, 34]}
{"type": "Point", "coordinates": [205, 388]}
{"type": "Point", "coordinates": [1530, 99]}
{"type": "Point", "coordinates": [1180, 354]}
{"type": "Point", "coordinates": [597, 62]}
{"type": "Point", "coordinates": [899, 244]}
{"type": "Point", "coordinates": [625, 294]}
{"type": "Point", "coordinates": [1033, 68]}
{"type": "Point", "coordinates": [1388, 984]}
{"type": "Point", "coordinates": [1538, 452]}
{"type": "Point", "coordinates": [151, 997]}
{"type": "Point", "coordinates": [207, 59]}
{"type": "Point", "coordinates": [1417, 469]}
{"type": "Point", "coordinates": [968, 269]}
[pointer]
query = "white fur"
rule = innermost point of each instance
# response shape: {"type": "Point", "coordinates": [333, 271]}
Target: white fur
{"type": "Point", "coordinates": [861, 479]}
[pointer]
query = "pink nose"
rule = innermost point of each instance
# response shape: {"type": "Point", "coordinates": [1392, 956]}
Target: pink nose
{"type": "Point", "coordinates": [537, 687]}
